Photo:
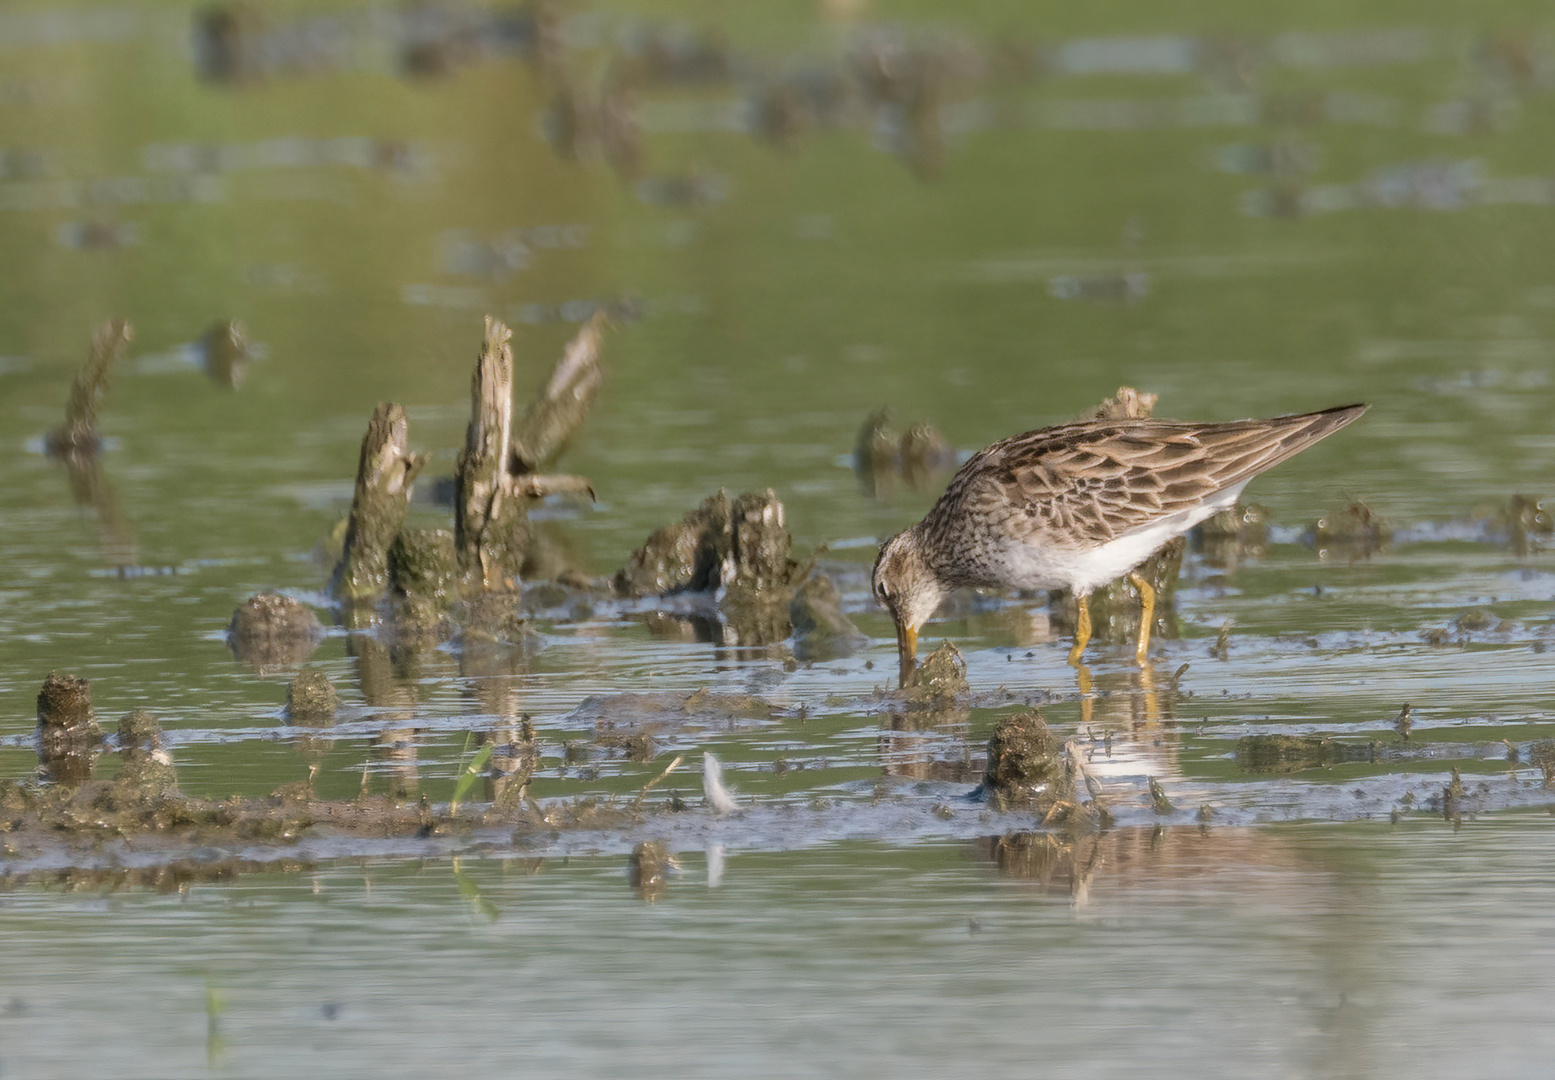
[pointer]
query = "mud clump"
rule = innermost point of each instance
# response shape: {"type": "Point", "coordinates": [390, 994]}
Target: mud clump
{"type": "Point", "coordinates": [939, 680]}
{"type": "Point", "coordinates": [720, 544]}
{"type": "Point", "coordinates": [139, 730]}
{"type": "Point", "coordinates": [268, 631]}
{"type": "Point", "coordinates": [68, 734]}
{"type": "Point", "coordinates": [1025, 764]}
{"type": "Point", "coordinates": [145, 771]}
{"type": "Point", "coordinates": [1477, 620]}
{"type": "Point", "coordinates": [311, 699]}
{"type": "Point", "coordinates": [706, 550]}
{"type": "Point", "coordinates": [638, 743]}
{"type": "Point", "coordinates": [741, 547]}
{"type": "Point", "coordinates": [65, 709]}
{"type": "Point", "coordinates": [821, 630]}
{"type": "Point", "coordinates": [423, 575]}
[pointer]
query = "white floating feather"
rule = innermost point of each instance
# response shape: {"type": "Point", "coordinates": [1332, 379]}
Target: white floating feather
{"type": "Point", "coordinates": [718, 796]}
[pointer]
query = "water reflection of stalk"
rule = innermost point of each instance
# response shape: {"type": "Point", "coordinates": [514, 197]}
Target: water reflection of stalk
{"type": "Point", "coordinates": [390, 691]}
{"type": "Point", "coordinates": [91, 489]}
{"type": "Point", "coordinates": [78, 444]}
{"type": "Point", "coordinates": [491, 672]}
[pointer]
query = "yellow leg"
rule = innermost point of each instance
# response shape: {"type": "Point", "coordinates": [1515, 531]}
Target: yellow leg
{"type": "Point", "coordinates": [1082, 676]}
{"type": "Point", "coordinates": [1146, 614]}
{"type": "Point", "coordinates": [1148, 693]}
{"type": "Point", "coordinates": [1082, 627]}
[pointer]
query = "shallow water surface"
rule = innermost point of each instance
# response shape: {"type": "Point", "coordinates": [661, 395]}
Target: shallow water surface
{"type": "Point", "coordinates": [986, 221]}
{"type": "Point", "coordinates": [1307, 951]}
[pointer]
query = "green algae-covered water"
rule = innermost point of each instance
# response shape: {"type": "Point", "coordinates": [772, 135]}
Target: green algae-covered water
{"type": "Point", "coordinates": [986, 217]}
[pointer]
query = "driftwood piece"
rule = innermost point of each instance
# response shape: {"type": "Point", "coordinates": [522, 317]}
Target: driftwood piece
{"type": "Point", "coordinates": [384, 476]}
{"type": "Point", "coordinates": [568, 395]}
{"type": "Point", "coordinates": [490, 525]}
{"type": "Point", "coordinates": [499, 468]}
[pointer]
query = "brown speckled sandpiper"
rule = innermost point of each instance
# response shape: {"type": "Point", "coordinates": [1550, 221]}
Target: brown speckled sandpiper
{"type": "Point", "coordinates": [1077, 506]}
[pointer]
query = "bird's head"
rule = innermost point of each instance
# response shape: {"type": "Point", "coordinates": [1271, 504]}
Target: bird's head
{"type": "Point", "coordinates": [909, 590]}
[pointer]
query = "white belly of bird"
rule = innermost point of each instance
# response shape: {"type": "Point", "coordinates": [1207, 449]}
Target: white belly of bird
{"type": "Point", "coordinates": [1083, 570]}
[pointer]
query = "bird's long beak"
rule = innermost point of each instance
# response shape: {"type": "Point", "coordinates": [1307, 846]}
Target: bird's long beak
{"type": "Point", "coordinates": [906, 651]}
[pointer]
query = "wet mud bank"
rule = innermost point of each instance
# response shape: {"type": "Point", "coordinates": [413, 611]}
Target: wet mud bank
{"type": "Point", "coordinates": [485, 590]}
{"type": "Point", "coordinates": [1036, 800]}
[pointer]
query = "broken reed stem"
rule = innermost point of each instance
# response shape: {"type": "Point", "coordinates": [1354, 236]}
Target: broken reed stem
{"type": "Point", "coordinates": [561, 407]}
{"type": "Point", "coordinates": [649, 786]}
{"type": "Point", "coordinates": [78, 435]}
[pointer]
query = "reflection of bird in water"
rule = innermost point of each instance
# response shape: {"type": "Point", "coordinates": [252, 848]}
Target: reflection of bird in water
{"type": "Point", "coordinates": [1077, 506]}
